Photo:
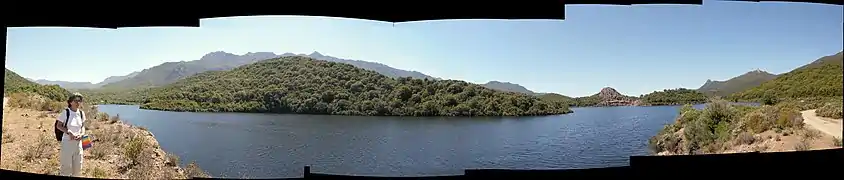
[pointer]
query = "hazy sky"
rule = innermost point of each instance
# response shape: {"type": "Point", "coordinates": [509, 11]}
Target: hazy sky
{"type": "Point", "coordinates": [635, 49]}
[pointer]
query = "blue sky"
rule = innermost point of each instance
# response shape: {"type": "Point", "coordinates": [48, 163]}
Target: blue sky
{"type": "Point", "coordinates": [635, 49]}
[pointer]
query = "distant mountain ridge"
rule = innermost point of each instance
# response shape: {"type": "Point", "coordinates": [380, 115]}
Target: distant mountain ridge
{"type": "Point", "coordinates": [170, 72]}
{"type": "Point", "coordinates": [737, 84]}
{"type": "Point", "coordinates": [820, 78]}
{"type": "Point", "coordinates": [508, 87]}
{"type": "Point", "coordinates": [83, 85]}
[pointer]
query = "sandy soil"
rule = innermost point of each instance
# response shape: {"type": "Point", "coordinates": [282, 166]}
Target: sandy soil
{"type": "Point", "coordinates": [770, 141]}
{"type": "Point", "coordinates": [826, 125]}
{"type": "Point", "coordinates": [29, 145]}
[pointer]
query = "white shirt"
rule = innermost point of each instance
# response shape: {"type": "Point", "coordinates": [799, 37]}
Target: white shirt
{"type": "Point", "coordinates": [74, 125]}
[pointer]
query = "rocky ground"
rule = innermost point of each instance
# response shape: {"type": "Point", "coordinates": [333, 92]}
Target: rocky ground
{"type": "Point", "coordinates": [801, 139]}
{"type": "Point", "coordinates": [120, 150]}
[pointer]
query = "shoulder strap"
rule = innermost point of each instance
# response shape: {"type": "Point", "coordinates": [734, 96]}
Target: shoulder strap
{"type": "Point", "coordinates": [67, 116]}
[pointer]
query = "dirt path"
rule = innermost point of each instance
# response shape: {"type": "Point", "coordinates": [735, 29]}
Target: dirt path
{"type": "Point", "coordinates": [826, 125]}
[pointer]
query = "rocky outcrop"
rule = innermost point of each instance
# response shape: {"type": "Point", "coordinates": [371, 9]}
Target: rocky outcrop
{"type": "Point", "coordinates": [610, 97]}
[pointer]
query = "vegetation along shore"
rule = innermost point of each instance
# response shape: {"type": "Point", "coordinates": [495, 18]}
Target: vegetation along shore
{"type": "Point", "coordinates": [801, 110]}
{"type": "Point", "coordinates": [121, 151]}
{"type": "Point", "coordinates": [319, 84]}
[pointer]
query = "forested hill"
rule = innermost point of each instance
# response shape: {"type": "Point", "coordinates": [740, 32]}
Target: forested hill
{"type": "Point", "coordinates": [170, 72]}
{"type": "Point", "coordinates": [673, 97]}
{"type": "Point", "coordinates": [821, 78]}
{"type": "Point", "coordinates": [303, 85]}
{"type": "Point", "coordinates": [14, 83]}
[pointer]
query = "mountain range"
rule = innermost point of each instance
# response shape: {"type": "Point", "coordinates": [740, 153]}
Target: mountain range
{"type": "Point", "coordinates": [739, 83]}
{"type": "Point", "coordinates": [820, 78]}
{"type": "Point", "coordinates": [84, 85]}
{"type": "Point", "coordinates": [169, 72]}
{"type": "Point", "coordinates": [756, 78]}
{"type": "Point", "coordinates": [508, 87]}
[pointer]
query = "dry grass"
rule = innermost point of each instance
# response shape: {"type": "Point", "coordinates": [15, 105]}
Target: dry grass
{"type": "Point", "coordinates": [41, 149]}
{"type": "Point", "coordinates": [97, 172]}
{"type": "Point", "coordinates": [119, 152]}
{"type": "Point", "coordinates": [745, 138]}
{"type": "Point", "coordinates": [7, 137]}
{"type": "Point", "coordinates": [811, 134]}
{"type": "Point", "coordinates": [803, 145]}
{"type": "Point", "coordinates": [836, 142]}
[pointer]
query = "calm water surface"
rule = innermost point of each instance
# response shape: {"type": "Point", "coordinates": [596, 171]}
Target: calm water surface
{"type": "Point", "coordinates": [272, 145]}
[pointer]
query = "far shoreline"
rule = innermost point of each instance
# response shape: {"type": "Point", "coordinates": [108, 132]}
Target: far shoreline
{"type": "Point", "coordinates": [163, 110]}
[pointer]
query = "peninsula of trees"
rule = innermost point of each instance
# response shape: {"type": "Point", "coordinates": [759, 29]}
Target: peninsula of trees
{"type": "Point", "coordinates": [678, 96]}
{"type": "Point", "coordinates": [302, 85]}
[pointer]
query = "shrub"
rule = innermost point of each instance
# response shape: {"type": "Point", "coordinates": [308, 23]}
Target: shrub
{"type": "Point", "coordinates": [687, 114]}
{"type": "Point", "coordinates": [745, 138]}
{"type": "Point", "coordinates": [114, 119]}
{"type": "Point", "coordinates": [40, 149]}
{"type": "Point", "coordinates": [99, 151]}
{"type": "Point", "coordinates": [172, 159]}
{"type": "Point", "coordinates": [102, 116]}
{"type": "Point", "coordinates": [22, 100]}
{"type": "Point", "coordinates": [717, 111]}
{"type": "Point", "coordinates": [769, 99]}
{"type": "Point", "coordinates": [789, 116]}
{"type": "Point", "coordinates": [664, 141]}
{"type": "Point", "coordinates": [831, 110]}
{"type": "Point", "coordinates": [811, 134]}
{"type": "Point", "coordinates": [836, 142]}
{"type": "Point", "coordinates": [757, 121]}
{"type": "Point", "coordinates": [7, 137]}
{"type": "Point", "coordinates": [698, 134]}
{"type": "Point", "coordinates": [803, 145]}
{"type": "Point", "coordinates": [97, 172]}
{"type": "Point", "coordinates": [192, 170]}
{"type": "Point", "coordinates": [133, 149]}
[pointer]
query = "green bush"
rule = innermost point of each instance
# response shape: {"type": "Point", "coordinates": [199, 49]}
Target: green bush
{"type": "Point", "coordinates": [133, 149]}
{"type": "Point", "coordinates": [831, 110]}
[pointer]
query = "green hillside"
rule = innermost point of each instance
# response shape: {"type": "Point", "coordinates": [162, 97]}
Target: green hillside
{"type": "Point", "coordinates": [737, 84]}
{"type": "Point", "coordinates": [556, 97]}
{"type": "Point", "coordinates": [821, 78]}
{"type": "Point", "coordinates": [302, 85]}
{"type": "Point", "coordinates": [14, 83]}
{"type": "Point", "coordinates": [673, 97]}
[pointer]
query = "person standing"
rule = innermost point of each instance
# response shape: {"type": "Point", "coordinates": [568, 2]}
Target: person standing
{"type": "Point", "coordinates": [70, 122]}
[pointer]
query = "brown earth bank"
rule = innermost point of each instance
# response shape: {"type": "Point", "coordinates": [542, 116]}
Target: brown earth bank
{"type": "Point", "coordinates": [723, 128]}
{"type": "Point", "coordinates": [120, 151]}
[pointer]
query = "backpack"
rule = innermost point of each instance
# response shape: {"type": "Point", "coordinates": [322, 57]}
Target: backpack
{"type": "Point", "coordinates": [59, 133]}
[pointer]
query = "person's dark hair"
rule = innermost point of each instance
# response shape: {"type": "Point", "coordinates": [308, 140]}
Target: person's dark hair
{"type": "Point", "coordinates": [73, 97]}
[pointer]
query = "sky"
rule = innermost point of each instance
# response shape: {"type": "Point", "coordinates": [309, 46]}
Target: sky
{"type": "Point", "coordinates": [634, 49]}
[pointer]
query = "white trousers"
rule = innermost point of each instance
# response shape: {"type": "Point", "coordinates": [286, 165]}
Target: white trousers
{"type": "Point", "coordinates": [70, 157]}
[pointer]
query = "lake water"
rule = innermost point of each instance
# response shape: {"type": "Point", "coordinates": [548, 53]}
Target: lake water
{"type": "Point", "coordinates": [276, 146]}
